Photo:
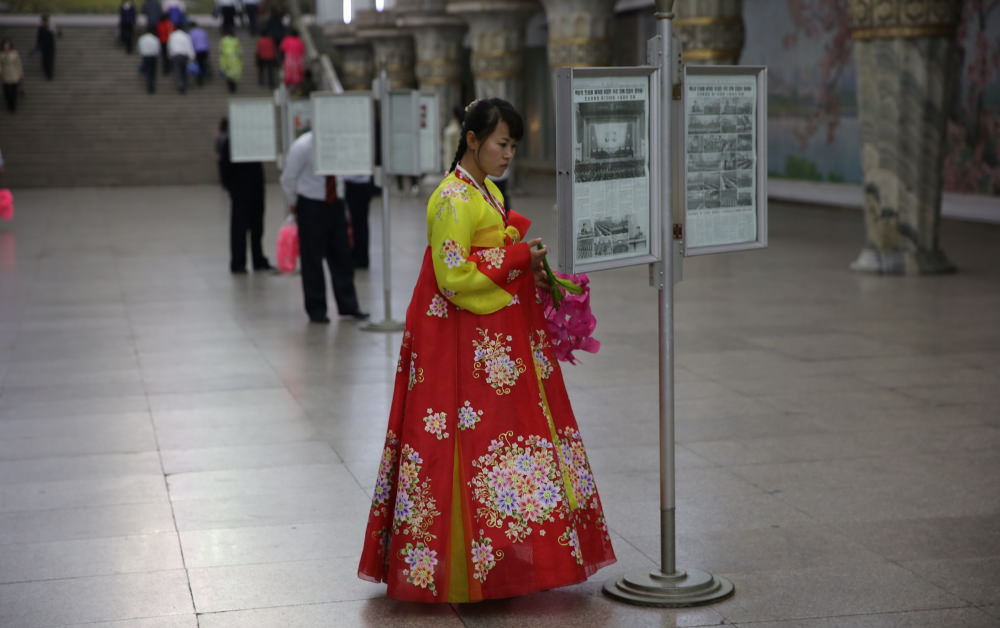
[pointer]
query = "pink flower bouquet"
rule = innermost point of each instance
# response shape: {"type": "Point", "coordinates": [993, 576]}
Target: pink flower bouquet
{"type": "Point", "coordinates": [567, 310]}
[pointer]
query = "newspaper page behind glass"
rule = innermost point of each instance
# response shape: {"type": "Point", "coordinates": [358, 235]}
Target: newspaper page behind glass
{"type": "Point", "coordinates": [252, 130]}
{"type": "Point", "coordinates": [611, 204]}
{"type": "Point", "coordinates": [430, 134]}
{"type": "Point", "coordinates": [720, 160]}
{"type": "Point", "coordinates": [403, 133]}
{"type": "Point", "coordinates": [343, 131]}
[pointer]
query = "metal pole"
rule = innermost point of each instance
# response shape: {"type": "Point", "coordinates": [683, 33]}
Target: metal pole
{"type": "Point", "coordinates": [667, 586]}
{"type": "Point", "coordinates": [387, 324]}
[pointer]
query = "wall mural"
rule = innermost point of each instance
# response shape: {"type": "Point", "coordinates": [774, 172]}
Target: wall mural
{"type": "Point", "coordinates": [812, 109]}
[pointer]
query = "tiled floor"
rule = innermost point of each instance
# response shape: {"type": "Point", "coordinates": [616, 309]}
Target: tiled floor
{"type": "Point", "coordinates": [179, 448]}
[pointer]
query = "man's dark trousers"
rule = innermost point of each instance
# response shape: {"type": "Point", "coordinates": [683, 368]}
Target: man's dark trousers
{"type": "Point", "coordinates": [323, 235]}
{"type": "Point", "coordinates": [149, 69]}
{"type": "Point", "coordinates": [359, 196]}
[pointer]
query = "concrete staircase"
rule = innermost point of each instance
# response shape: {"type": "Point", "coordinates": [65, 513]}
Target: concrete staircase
{"type": "Point", "coordinates": [94, 124]}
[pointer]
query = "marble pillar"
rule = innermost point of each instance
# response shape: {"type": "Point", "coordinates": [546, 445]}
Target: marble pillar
{"type": "Point", "coordinates": [437, 39]}
{"type": "Point", "coordinates": [496, 35]}
{"type": "Point", "coordinates": [904, 50]}
{"type": "Point", "coordinates": [392, 47]}
{"type": "Point", "coordinates": [579, 32]}
{"type": "Point", "coordinates": [711, 32]}
{"type": "Point", "coordinates": [356, 67]}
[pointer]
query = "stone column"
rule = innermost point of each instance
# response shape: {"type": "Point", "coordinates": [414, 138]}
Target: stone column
{"type": "Point", "coordinates": [393, 48]}
{"type": "Point", "coordinates": [357, 62]}
{"type": "Point", "coordinates": [496, 34]}
{"type": "Point", "coordinates": [906, 77]}
{"type": "Point", "coordinates": [710, 31]}
{"type": "Point", "coordinates": [437, 38]}
{"type": "Point", "coordinates": [579, 32]}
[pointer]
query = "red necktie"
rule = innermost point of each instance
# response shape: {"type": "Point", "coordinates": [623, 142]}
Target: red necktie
{"type": "Point", "coordinates": [331, 188]}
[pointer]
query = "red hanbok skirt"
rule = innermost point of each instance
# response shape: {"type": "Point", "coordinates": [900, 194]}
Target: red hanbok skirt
{"type": "Point", "coordinates": [484, 488]}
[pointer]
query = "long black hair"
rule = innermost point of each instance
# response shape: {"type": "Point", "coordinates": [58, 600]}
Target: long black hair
{"type": "Point", "coordinates": [482, 118]}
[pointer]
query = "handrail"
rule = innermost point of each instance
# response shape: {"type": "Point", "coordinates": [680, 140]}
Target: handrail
{"type": "Point", "coordinates": [327, 74]}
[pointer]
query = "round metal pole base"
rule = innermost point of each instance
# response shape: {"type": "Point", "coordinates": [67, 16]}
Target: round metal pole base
{"type": "Point", "coordinates": [386, 325]}
{"type": "Point", "coordinates": [654, 588]}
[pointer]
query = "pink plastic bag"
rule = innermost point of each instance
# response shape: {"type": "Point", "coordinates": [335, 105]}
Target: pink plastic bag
{"type": "Point", "coordinates": [6, 204]}
{"type": "Point", "coordinates": [288, 245]}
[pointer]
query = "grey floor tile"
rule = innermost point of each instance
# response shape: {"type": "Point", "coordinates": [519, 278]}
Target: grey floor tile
{"type": "Point", "coordinates": [373, 613]}
{"type": "Point", "coordinates": [332, 481]}
{"type": "Point", "coordinates": [946, 618]}
{"type": "Point", "coordinates": [78, 467]}
{"type": "Point", "coordinates": [169, 621]}
{"type": "Point", "coordinates": [242, 587]}
{"type": "Point", "coordinates": [951, 538]}
{"type": "Point", "coordinates": [763, 549]}
{"type": "Point", "coordinates": [975, 580]}
{"type": "Point", "coordinates": [245, 457]}
{"type": "Point", "coordinates": [579, 606]}
{"type": "Point", "coordinates": [104, 598]}
{"type": "Point", "coordinates": [47, 408]}
{"type": "Point", "coordinates": [35, 526]}
{"type": "Point", "coordinates": [338, 538]}
{"type": "Point", "coordinates": [863, 588]}
{"type": "Point", "coordinates": [122, 489]}
{"type": "Point", "coordinates": [130, 434]}
{"type": "Point", "coordinates": [273, 509]}
{"type": "Point", "coordinates": [90, 557]}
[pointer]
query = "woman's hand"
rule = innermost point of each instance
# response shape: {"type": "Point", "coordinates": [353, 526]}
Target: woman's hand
{"type": "Point", "coordinates": [537, 256]}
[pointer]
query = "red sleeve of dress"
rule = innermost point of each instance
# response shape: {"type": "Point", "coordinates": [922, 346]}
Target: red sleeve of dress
{"type": "Point", "coordinates": [504, 265]}
{"type": "Point", "coordinates": [518, 221]}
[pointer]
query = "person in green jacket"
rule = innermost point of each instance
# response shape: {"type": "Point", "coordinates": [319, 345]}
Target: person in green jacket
{"type": "Point", "coordinates": [230, 58]}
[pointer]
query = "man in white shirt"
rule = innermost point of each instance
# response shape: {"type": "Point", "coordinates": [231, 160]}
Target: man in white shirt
{"type": "Point", "coordinates": [181, 52]}
{"type": "Point", "coordinates": [322, 222]}
{"type": "Point", "coordinates": [149, 49]}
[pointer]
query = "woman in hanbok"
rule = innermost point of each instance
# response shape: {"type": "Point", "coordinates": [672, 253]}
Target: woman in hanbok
{"type": "Point", "coordinates": [230, 58]}
{"type": "Point", "coordinates": [484, 489]}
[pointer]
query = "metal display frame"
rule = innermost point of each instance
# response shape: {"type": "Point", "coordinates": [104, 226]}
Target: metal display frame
{"type": "Point", "coordinates": [566, 159]}
{"type": "Point", "coordinates": [258, 115]}
{"type": "Point", "coordinates": [430, 134]}
{"type": "Point", "coordinates": [332, 128]}
{"type": "Point", "coordinates": [405, 129]}
{"type": "Point", "coordinates": [759, 149]}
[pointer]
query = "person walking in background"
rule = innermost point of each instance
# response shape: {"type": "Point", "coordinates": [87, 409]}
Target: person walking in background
{"type": "Point", "coordinates": [267, 60]}
{"type": "Point", "coordinates": [11, 72]}
{"type": "Point", "coordinates": [245, 183]}
{"type": "Point", "coordinates": [293, 51]}
{"type": "Point", "coordinates": [275, 25]}
{"type": "Point", "coordinates": [319, 212]}
{"type": "Point", "coordinates": [199, 41]}
{"type": "Point", "coordinates": [152, 10]}
{"type": "Point", "coordinates": [181, 53]}
{"type": "Point", "coordinates": [163, 29]}
{"type": "Point", "coordinates": [230, 58]}
{"type": "Point", "coordinates": [177, 11]}
{"type": "Point", "coordinates": [228, 10]}
{"type": "Point", "coordinates": [358, 190]}
{"type": "Point", "coordinates": [149, 49]}
{"type": "Point", "coordinates": [45, 43]}
{"type": "Point", "coordinates": [126, 24]}
{"type": "Point", "coordinates": [252, 10]}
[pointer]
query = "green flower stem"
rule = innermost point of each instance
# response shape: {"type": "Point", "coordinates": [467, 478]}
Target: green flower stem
{"type": "Point", "coordinates": [557, 282]}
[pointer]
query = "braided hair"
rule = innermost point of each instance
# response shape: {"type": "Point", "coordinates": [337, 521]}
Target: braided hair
{"type": "Point", "coordinates": [482, 117]}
